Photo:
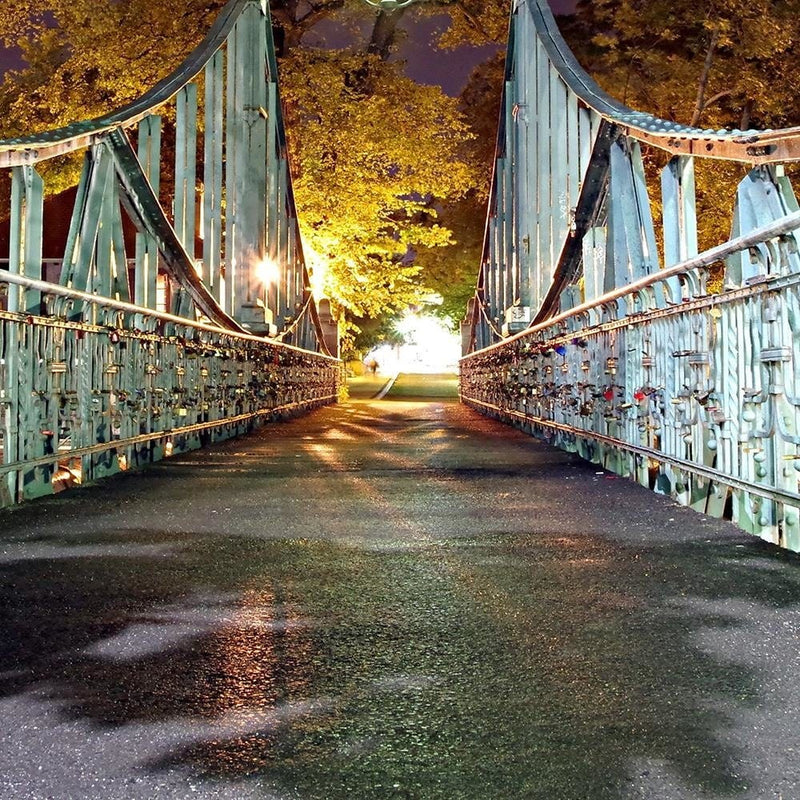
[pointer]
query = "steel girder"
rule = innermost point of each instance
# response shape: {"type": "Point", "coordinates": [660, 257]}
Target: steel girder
{"type": "Point", "coordinates": [155, 332]}
{"type": "Point", "coordinates": [579, 331]}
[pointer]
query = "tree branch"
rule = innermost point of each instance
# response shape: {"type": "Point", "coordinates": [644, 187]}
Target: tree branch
{"type": "Point", "coordinates": [317, 13]}
{"type": "Point", "coordinates": [384, 32]}
{"type": "Point", "coordinates": [472, 20]}
{"type": "Point", "coordinates": [716, 97]}
{"type": "Point", "coordinates": [699, 105]}
{"type": "Point", "coordinates": [284, 16]}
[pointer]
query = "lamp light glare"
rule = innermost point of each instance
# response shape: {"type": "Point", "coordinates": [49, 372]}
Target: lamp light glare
{"type": "Point", "coordinates": [268, 272]}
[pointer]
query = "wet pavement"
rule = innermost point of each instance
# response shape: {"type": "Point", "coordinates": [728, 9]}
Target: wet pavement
{"type": "Point", "coordinates": [391, 600]}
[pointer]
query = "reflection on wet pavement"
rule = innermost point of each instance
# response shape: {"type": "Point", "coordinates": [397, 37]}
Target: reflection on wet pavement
{"type": "Point", "coordinates": [403, 603]}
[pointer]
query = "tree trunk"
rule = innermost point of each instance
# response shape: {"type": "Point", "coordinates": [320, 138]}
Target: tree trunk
{"type": "Point", "coordinates": [700, 104]}
{"type": "Point", "coordinates": [747, 110]}
{"type": "Point", "coordinates": [384, 32]}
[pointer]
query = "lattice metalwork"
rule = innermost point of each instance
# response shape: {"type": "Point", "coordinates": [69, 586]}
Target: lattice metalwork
{"type": "Point", "coordinates": [580, 332]}
{"type": "Point", "coordinates": [176, 314]}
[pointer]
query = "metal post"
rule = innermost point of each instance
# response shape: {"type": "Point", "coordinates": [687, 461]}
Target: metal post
{"type": "Point", "coordinates": [212, 182]}
{"type": "Point", "coordinates": [25, 245]}
{"type": "Point", "coordinates": [146, 264]}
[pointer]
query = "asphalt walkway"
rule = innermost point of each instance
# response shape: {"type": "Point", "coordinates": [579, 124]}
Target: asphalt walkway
{"type": "Point", "coordinates": [395, 599]}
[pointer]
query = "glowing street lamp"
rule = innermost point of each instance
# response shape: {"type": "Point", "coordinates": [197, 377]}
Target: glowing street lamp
{"type": "Point", "coordinates": [268, 272]}
{"type": "Point", "coordinates": [389, 5]}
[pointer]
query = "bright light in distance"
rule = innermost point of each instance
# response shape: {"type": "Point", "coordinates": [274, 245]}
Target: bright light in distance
{"type": "Point", "coordinates": [430, 346]}
{"type": "Point", "coordinates": [268, 272]}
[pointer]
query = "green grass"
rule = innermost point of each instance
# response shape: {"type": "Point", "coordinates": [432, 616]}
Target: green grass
{"type": "Point", "coordinates": [363, 387]}
{"type": "Point", "coordinates": [408, 386]}
{"type": "Point", "coordinates": [433, 386]}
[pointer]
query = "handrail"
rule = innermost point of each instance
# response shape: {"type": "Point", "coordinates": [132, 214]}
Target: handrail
{"type": "Point", "coordinates": [779, 227]}
{"type": "Point", "coordinates": [131, 308]}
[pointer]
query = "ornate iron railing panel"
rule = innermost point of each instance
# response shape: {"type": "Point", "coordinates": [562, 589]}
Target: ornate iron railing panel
{"type": "Point", "coordinates": [179, 309]}
{"type": "Point", "coordinates": [579, 334]}
{"type": "Point", "coordinates": [85, 399]}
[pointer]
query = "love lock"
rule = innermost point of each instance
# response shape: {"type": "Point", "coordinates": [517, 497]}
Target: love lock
{"type": "Point", "coordinates": [702, 397]}
{"type": "Point", "coordinates": [717, 415]}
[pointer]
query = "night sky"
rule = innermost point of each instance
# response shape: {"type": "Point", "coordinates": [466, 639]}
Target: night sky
{"type": "Point", "coordinates": [425, 65]}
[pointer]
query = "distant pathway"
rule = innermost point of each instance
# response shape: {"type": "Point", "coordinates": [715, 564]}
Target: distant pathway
{"type": "Point", "coordinates": [391, 600]}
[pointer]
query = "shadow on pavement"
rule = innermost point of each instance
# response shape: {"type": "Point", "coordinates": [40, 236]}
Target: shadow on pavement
{"type": "Point", "coordinates": [533, 660]}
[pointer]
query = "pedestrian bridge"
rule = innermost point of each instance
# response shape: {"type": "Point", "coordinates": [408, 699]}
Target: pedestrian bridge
{"type": "Point", "coordinates": [400, 598]}
{"type": "Point", "coordinates": [391, 599]}
{"type": "Point", "coordinates": [593, 325]}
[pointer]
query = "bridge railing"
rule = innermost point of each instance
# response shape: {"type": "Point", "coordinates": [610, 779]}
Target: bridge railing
{"type": "Point", "coordinates": [81, 400]}
{"type": "Point", "coordinates": [178, 309]}
{"type": "Point", "coordinates": [581, 334]}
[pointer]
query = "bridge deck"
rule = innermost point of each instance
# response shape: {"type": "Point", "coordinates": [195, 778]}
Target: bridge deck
{"type": "Point", "coordinates": [391, 599]}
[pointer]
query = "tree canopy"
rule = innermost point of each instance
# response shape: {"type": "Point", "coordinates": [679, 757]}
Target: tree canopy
{"type": "Point", "coordinates": [372, 168]}
{"type": "Point", "coordinates": [87, 57]}
{"type": "Point", "coordinates": [718, 64]}
{"type": "Point", "coordinates": [391, 177]}
{"type": "Point", "coordinates": [722, 63]}
{"type": "Point", "coordinates": [377, 159]}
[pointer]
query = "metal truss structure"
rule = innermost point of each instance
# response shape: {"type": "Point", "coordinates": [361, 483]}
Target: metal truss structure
{"type": "Point", "coordinates": [581, 333]}
{"type": "Point", "coordinates": [180, 311]}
